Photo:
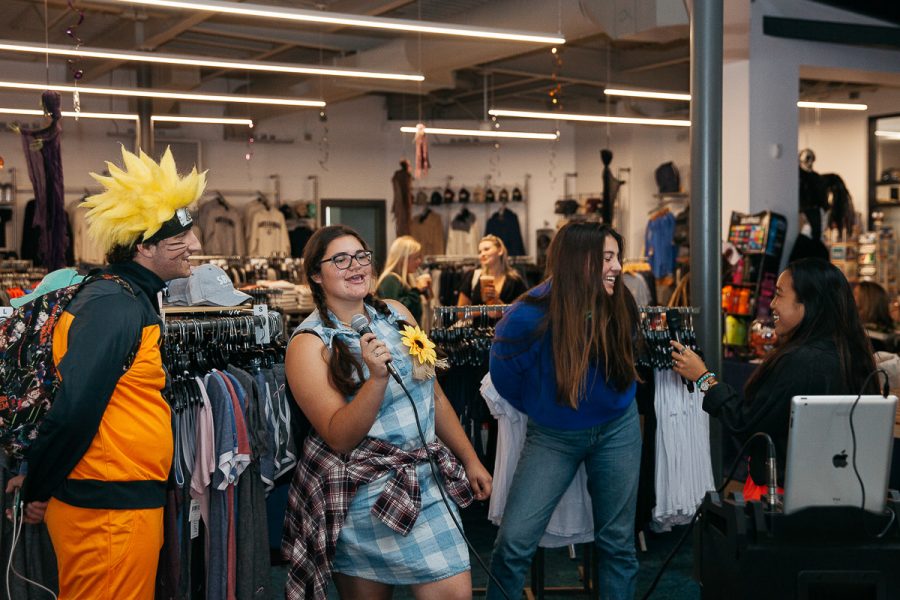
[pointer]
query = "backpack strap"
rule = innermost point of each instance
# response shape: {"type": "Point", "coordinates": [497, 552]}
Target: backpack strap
{"type": "Point", "coordinates": [98, 275]}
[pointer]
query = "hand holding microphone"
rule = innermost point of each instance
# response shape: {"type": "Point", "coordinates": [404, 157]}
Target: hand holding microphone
{"type": "Point", "coordinates": [374, 352]}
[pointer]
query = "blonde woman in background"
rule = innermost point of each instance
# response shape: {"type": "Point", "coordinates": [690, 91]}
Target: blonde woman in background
{"type": "Point", "coordinates": [398, 280]}
{"type": "Point", "coordinates": [495, 281]}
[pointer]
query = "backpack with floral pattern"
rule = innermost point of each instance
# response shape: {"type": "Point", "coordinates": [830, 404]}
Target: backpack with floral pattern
{"type": "Point", "coordinates": [28, 377]}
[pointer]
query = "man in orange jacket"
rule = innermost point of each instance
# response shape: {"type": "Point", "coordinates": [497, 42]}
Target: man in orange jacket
{"type": "Point", "coordinates": [97, 471]}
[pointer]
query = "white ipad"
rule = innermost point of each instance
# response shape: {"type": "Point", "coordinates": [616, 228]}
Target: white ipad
{"type": "Point", "coordinates": [819, 466]}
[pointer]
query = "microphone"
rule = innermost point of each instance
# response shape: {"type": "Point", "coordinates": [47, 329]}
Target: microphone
{"type": "Point", "coordinates": [673, 322]}
{"type": "Point", "coordinates": [360, 324]}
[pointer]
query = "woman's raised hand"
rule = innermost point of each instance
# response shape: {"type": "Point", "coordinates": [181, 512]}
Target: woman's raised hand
{"type": "Point", "coordinates": [687, 363]}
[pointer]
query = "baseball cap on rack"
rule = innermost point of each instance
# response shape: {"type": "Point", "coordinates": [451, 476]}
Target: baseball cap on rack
{"type": "Point", "coordinates": [55, 280]}
{"type": "Point", "coordinates": [463, 195]}
{"type": "Point", "coordinates": [208, 285]}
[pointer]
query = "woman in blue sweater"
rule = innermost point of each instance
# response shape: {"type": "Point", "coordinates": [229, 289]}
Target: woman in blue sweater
{"type": "Point", "coordinates": [564, 355]}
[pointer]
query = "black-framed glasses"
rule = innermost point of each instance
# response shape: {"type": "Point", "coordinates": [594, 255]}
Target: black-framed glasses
{"type": "Point", "coordinates": [343, 260]}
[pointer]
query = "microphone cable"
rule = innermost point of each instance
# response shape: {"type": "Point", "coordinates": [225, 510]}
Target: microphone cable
{"type": "Point", "coordinates": [885, 389]}
{"type": "Point", "coordinates": [437, 478]}
{"type": "Point", "coordinates": [862, 486]}
{"type": "Point", "coordinates": [18, 520]}
{"type": "Point", "coordinates": [770, 450]}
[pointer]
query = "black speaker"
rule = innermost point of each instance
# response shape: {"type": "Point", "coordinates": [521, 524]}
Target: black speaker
{"type": "Point", "coordinates": [743, 551]}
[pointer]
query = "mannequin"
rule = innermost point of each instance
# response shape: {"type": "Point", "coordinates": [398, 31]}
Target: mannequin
{"type": "Point", "coordinates": [403, 197]}
{"type": "Point", "coordinates": [610, 188]}
{"type": "Point", "coordinates": [813, 195]}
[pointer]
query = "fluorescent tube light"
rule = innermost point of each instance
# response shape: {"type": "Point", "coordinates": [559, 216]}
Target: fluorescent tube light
{"type": "Point", "coordinates": [894, 135]}
{"type": "Point", "coordinates": [647, 94]}
{"type": "Point", "coordinates": [687, 97]}
{"type": "Point", "coordinates": [553, 116]}
{"type": "Point", "coordinates": [132, 117]}
{"type": "Point", "coordinates": [210, 120]}
{"type": "Point", "coordinates": [525, 135]}
{"type": "Point", "coordinates": [832, 105]}
{"type": "Point", "coordinates": [192, 61]}
{"type": "Point", "coordinates": [67, 113]}
{"type": "Point", "coordinates": [145, 93]}
{"type": "Point", "coordinates": [350, 20]}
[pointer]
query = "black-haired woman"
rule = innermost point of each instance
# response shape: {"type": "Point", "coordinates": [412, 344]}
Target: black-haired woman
{"type": "Point", "coordinates": [822, 349]}
{"type": "Point", "coordinates": [363, 503]}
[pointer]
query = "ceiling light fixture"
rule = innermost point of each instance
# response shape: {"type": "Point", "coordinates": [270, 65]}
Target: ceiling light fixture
{"type": "Point", "coordinates": [832, 105]}
{"type": "Point", "coordinates": [132, 117]}
{"type": "Point", "coordinates": [350, 20]}
{"type": "Point", "coordinates": [687, 97]}
{"type": "Point", "coordinates": [647, 94]}
{"type": "Point", "coordinates": [554, 116]}
{"type": "Point", "coordinates": [66, 113]}
{"type": "Point", "coordinates": [144, 93]}
{"type": "Point", "coordinates": [209, 120]}
{"type": "Point", "coordinates": [894, 135]}
{"type": "Point", "coordinates": [192, 61]}
{"type": "Point", "coordinates": [525, 135]}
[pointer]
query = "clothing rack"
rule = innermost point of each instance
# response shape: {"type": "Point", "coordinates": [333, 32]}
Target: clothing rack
{"type": "Point", "coordinates": [655, 329]}
{"type": "Point", "coordinates": [229, 408]}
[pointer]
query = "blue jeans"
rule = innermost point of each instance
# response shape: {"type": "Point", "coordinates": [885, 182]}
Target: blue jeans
{"type": "Point", "coordinates": [612, 454]}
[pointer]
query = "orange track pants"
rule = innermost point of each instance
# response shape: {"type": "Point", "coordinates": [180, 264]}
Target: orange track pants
{"type": "Point", "coordinates": [105, 554]}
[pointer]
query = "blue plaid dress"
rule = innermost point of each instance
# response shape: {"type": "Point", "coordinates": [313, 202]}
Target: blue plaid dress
{"type": "Point", "coordinates": [366, 547]}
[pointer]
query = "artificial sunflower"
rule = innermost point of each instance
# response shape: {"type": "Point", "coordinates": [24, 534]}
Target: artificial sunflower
{"type": "Point", "coordinates": [419, 345]}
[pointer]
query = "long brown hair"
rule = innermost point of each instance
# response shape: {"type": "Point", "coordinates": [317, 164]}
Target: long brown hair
{"type": "Point", "coordinates": [874, 306]}
{"type": "Point", "coordinates": [829, 313]}
{"type": "Point", "coordinates": [588, 325]}
{"type": "Point", "coordinates": [344, 370]}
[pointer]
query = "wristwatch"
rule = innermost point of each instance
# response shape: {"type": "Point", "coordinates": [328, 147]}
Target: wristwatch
{"type": "Point", "coordinates": [706, 381]}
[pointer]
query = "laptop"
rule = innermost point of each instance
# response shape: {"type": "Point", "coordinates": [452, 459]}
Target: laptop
{"type": "Point", "coordinates": [819, 466]}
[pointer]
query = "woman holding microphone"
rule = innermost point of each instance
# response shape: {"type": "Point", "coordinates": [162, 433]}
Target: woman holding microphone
{"type": "Point", "coordinates": [364, 504]}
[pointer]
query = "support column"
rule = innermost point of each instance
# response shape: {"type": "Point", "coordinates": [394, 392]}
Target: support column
{"type": "Point", "coordinates": [706, 189]}
{"type": "Point", "coordinates": [144, 138]}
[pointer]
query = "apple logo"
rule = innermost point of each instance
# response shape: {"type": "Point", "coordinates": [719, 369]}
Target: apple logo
{"type": "Point", "coordinates": [840, 460]}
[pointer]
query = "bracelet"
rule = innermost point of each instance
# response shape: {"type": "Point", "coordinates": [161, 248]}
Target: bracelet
{"type": "Point", "coordinates": [705, 376]}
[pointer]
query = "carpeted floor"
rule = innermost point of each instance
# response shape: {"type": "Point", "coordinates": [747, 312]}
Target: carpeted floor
{"type": "Point", "coordinates": [560, 570]}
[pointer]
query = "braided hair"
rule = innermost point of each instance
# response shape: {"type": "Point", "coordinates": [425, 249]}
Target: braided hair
{"type": "Point", "coordinates": [344, 369]}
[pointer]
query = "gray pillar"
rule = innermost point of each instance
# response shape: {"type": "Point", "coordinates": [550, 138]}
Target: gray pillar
{"type": "Point", "coordinates": [706, 190]}
{"type": "Point", "coordinates": [144, 139]}
{"type": "Point", "coordinates": [145, 111]}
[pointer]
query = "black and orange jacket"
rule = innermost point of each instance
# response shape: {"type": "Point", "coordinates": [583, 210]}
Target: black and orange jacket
{"type": "Point", "coordinates": [107, 440]}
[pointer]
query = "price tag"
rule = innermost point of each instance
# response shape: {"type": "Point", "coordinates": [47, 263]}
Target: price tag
{"type": "Point", "coordinates": [263, 336]}
{"type": "Point", "coordinates": [194, 519]}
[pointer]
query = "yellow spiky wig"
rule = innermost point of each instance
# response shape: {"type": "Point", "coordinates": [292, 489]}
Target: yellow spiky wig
{"type": "Point", "coordinates": [139, 200]}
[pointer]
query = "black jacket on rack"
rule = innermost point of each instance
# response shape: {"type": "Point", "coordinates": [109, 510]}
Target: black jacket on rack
{"type": "Point", "coordinates": [505, 225]}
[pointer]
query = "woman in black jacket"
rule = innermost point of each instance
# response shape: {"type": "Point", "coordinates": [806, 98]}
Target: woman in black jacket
{"type": "Point", "coordinates": [822, 349]}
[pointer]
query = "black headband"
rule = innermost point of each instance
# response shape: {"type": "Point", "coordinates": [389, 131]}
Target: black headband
{"type": "Point", "coordinates": [180, 222]}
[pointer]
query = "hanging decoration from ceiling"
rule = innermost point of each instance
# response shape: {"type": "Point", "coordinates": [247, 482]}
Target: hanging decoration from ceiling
{"type": "Point", "coordinates": [555, 92]}
{"type": "Point", "coordinates": [324, 148]}
{"type": "Point", "coordinates": [73, 63]}
{"type": "Point", "coordinates": [422, 161]}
